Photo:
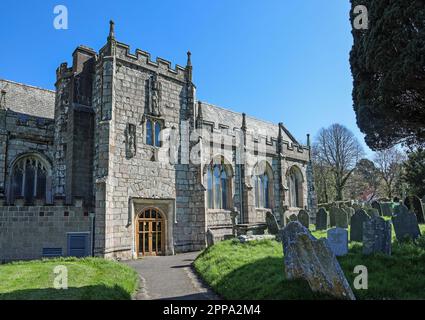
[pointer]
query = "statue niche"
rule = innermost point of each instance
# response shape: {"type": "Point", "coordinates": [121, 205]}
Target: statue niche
{"type": "Point", "coordinates": [130, 140]}
{"type": "Point", "coordinates": [154, 96]}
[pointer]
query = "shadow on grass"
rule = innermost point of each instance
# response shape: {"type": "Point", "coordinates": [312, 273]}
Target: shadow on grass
{"type": "Point", "coordinates": [97, 292]}
{"type": "Point", "coordinates": [264, 279]}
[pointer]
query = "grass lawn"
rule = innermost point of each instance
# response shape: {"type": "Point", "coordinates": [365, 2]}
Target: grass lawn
{"type": "Point", "coordinates": [256, 271]}
{"type": "Point", "coordinates": [88, 279]}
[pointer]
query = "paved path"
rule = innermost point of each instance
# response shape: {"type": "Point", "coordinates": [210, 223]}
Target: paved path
{"type": "Point", "coordinates": [170, 278]}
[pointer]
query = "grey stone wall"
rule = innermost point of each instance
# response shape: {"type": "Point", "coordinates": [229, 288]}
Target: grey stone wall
{"type": "Point", "coordinates": [25, 230]}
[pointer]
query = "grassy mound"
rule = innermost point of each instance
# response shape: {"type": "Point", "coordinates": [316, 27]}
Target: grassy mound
{"type": "Point", "coordinates": [256, 271]}
{"type": "Point", "coordinates": [88, 279]}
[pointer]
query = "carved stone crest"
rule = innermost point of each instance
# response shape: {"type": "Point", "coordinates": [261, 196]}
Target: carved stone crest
{"type": "Point", "coordinates": [155, 96]}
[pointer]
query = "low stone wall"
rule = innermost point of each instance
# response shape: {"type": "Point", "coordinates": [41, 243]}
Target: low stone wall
{"type": "Point", "coordinates": [26, 230]}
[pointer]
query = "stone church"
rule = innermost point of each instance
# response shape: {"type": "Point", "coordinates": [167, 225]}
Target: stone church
{"type": "Point", "coordinates": [122, 160]}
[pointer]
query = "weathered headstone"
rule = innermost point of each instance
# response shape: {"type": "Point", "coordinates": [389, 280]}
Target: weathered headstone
{"type": "Point", "coordinates": [338, 241]}
{"type": "Point", "coordinates": [322, 219]}
{"type": "Point", "coordinates": [293, 217]}
{"type": "Point", "coordinates": [332, 216]}
{"type": "Point", "coordinates": [341, 219]}
{"type": "Point", "coordinates": [272, 225]}
{"type": "Point", "coordinates": [377, 236]}
{"type": "Point", "coordinates": [376, 205]}
{"type": "Point", "coordinates": [387, 209]}
{"type": "Point", "coordinates": [304, 218]}
{"type": "Point", "coordinates": [210, 238]}
{"type": "Point", "coordinates": [405, 224]}
{"type": "Point", "coordinates": [415, 205]}
{"type": "Point", "coordinates": [307, 258]}
{"type": "Point", "coordinates": [356, 225]}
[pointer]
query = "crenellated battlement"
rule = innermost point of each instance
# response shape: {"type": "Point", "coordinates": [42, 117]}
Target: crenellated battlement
{"type": "Point", "coordinates": [143, 59]}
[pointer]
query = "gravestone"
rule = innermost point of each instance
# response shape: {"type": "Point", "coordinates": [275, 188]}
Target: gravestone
{"type": "Point", "coordinates": [377, 236]}
{"type": "Point", "coordinates": [405, 224]}
{"type": "Point", "coordinates": [272, 224]}
{"type": "Point", "coordinates": [338, 241]}
{"type": "Point", "coordinates": [210, 238]}
{"type": "Point", "coordinates": [304, 218]}
{"type": "Point", "coordinates": [372, 212]}
{"type": "Point", "coordinates": [307, 258]}
{"type": "Point", "coordinates": [376, 205]}
{"type": "Point", "coordinates": [387, 209]}
{"type": "Point", "coordinates": [332, 216]}
{"type": "Point", "coordinates": [341, 219]}
{"type": "Point", "coordinates": [322, 219]}
{"type": "Point", "coordinates": [356, 225]}
{"type": "Point", "coordinates": [415, 205]}
{"type": "Point", "coordinates": [292, 218]}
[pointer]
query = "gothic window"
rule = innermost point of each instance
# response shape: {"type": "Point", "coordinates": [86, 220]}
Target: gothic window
{"type": "Point", "coordinates": [262, 186]}
{"type": "Point", "coordinates": [153, 131]}
{"type": "Point", "coordinates": [157, 133]}
{"type": "Point", "coordinates": [149, 135]}
{"type": "Point", "coordinates": [295, 185]}
{"type": "Point", "coordinates": [218, 186]}
{"type": "Point", "coordinates": [29, 179]}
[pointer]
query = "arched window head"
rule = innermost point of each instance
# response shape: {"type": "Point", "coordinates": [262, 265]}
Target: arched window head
{"type": "Point", "coordinates": [218, 185]}
{"type": "Point", "coordinates": [295, 185]}
{"type": "Point", "coordinates": [262, 177]}
{"type": "Point", "coordinates": [30, 179]}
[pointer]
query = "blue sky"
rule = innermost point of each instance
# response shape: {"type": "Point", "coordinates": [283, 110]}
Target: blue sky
{"type": "Point", "coordinates": [278, 60]}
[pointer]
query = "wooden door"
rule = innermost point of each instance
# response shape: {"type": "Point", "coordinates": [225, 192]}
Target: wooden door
{"type": "Point", "coordinates": [150, 233]}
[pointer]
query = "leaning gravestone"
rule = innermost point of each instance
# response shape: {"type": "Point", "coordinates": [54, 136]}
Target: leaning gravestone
{"type": "Point", "coordinates": [377, 236]}
{"type": "Point", "coordinates": [307, 258]}
{"type": "Point", "coordinates": [322, 219]}
{"type": "Point", "coordinates": [405, 224]}
{"type": "Point", "coordinates": [341, 219]}
{"type": "Point", "coordinates": [387, 209]}
{"type": "Point", "coordinates": [272, 224]}
{"type": "Point", "coordinates": [415, 205]}
{"type": "Point", "coordinates": [332, 216]}
{"type": "Point", "coordinates": [304, 218]}
{"type": "Point", "coordinates": [356, 225]}
{"type": "Point", "coordinates": [338, 241]}
{"type": "Point", "coordinates": [376, 205]}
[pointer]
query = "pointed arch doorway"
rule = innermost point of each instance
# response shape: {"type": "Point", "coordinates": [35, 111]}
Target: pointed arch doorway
{"type": "Point", "coordinates": [150, 232]}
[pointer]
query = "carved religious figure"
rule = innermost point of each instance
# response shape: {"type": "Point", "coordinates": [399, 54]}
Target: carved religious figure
{"type": "Point", "coordinates": [130, 141]}
{"type": "Point", "coordinates": [155, 91]}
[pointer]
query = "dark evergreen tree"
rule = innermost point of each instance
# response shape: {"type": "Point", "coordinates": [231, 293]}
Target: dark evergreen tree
{"type": "Point", "coordinates": [388, 67]}
{"type": "Point", "coordinates": [414, 173]}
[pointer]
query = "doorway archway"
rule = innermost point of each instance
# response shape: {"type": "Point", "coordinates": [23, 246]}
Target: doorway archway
{"type": "Point", "coordinates": [150, 232]}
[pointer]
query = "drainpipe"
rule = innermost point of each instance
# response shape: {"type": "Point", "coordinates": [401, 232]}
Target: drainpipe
{"type": "Point", "coordinates": [92, 218]}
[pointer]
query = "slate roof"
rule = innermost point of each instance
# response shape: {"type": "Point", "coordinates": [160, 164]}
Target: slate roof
{"type": "Point", "coordinates": [221, 116]}
{"type": "Point", "coordinates": [29, 100]}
